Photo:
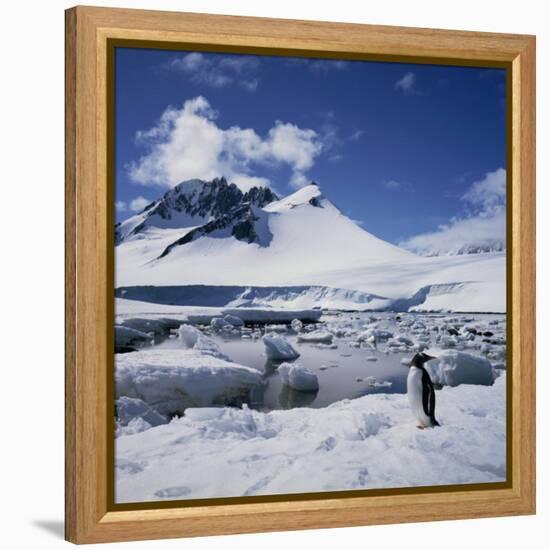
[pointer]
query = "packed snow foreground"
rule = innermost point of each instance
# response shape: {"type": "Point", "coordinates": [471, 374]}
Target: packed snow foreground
{"type": "Point", "coordinates": [364, 443]}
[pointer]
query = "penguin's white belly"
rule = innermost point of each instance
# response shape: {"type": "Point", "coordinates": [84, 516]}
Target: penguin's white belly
{"type": "Point", "coordinates": [414, 393]}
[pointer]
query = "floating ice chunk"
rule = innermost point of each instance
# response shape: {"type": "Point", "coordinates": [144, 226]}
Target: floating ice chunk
{"type": "Point", "coordinates": [317, 336]}
{"type": "Point", "coordinates": [209, 347]}
{"type": "Point", "coordinates": [193, 338]}
{"type": "Point", "coordinates": [126, 337]}
{"type": "Point", "coordinates": [374, 383]}
{"type": "Point", "coordinates": [170, 380]}
{"type": "Point", "coordinates": [189, 335]}
{"type": "Point", "coordinates": [400, 342]}
{"type": "Point", "coordinates": [218, 323]}
{"type": "Point", "coordinates": [278, 348]}
{"type": "Point", "coordinates": [452, 368]}
{"type": "Point", "coordinates": [296, 325]}
{"type": "Point", "coordinates": [374, 334]}
{"type": "Point", "coordinates": [447, 342]}
{"type": "Point", "coordinates": [233, 320]}
{"type": "Point", "coordinates": [156, 326]}
{"type": "Point", "coordinates": [298, 377]}
{"type": "Point", "coordinates": [325, 346]}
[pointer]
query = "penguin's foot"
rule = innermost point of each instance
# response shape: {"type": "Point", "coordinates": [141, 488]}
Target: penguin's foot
{"type": "Point", "coordinates": [420, 426]}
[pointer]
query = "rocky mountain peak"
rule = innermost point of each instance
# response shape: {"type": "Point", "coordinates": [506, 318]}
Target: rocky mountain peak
{"type": "Point", "coordinates": [194, 202]}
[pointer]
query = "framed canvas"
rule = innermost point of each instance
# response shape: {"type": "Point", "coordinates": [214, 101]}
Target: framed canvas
{"type": "Point", "coordinates": [300, 274]}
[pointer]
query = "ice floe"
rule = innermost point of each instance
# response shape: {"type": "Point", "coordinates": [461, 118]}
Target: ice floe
{"type": "Point", "coordinates": [298, 377]}
{"type": "Point", "coordinates": [278, 348]}
{"type": "Point", "coordinates": [170, 380]}
{"type": "Point", "coordinates": [316, 336]}
{"type": "Point", "coordinates": [452, 368]}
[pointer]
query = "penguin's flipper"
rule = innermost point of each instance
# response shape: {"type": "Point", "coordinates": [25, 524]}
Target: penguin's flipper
{"type": "Point", "coordinates": [428, 395]}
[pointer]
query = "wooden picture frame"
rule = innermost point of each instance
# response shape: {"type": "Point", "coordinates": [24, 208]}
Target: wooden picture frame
{"type": "Point", "coordinates": [89, 194]}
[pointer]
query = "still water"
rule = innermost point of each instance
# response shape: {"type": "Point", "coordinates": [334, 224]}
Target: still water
{"type": "Point", "coordinates": [343, 372]}
{"type": "Point", "coordinates": [346, 372]}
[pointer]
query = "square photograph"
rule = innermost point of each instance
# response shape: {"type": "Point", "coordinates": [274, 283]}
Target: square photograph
{"type": "Point", "coordinates": [310, 276]}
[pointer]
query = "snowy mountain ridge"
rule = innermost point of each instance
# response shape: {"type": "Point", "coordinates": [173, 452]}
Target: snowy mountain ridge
{"type": "Point", "coordinates": [213, 234]}
{"type": "Point", "coordinates": [491, 245]}
{"type": "Point", "coordinates": [192, 203]}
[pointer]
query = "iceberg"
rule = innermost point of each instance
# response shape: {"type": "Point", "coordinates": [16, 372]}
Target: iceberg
{"type": "Point", "coordinates": [278, 348]}
{"type": "Point", "coordinates": [298, 377]}
{"type": "Point", "coordinates": [452, 368]}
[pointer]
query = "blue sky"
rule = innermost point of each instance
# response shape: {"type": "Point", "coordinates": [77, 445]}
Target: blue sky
{"type": "Point", "coordinates": [405, 150]}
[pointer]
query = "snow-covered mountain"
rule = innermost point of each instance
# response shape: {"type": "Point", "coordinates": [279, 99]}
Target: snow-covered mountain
{"type": "Point", "coordinates": [489, 245]}
{"type": "Point", "coordinates": [192, 203]}
{"type": "Point", "coordinates": [213, 234]}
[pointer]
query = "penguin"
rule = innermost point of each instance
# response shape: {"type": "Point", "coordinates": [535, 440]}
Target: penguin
{"type": "Point", "coordinates": [420, 391]}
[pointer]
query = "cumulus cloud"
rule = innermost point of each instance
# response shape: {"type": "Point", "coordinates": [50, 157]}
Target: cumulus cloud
{"type": "Point", "coordinates": [138, 204]}
{"type": "Point", "coordinates": [357, 135]}
{"type": "Point", "coordinates": [407, 84]}
{"type": "Point", "coordinates": [318, 65]}
{"type": "Point", "coordinates": [187, 143]}
{"type": "Point", "coordinates": [393, 184]}
{"type": "Point", "coordinates": [481, 228]}
{"type": "Point", "coordinates": [121, 206]}
{"type": "Point", "coordinates": [326, 65]}
{"type": "Point", "coordinates": [218, 71]}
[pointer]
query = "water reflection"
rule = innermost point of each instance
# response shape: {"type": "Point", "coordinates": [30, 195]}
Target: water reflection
{"type": "Point", "coordinates": [290, 398]}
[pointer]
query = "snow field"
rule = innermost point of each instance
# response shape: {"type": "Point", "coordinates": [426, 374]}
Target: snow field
{"type": "Point", "coordinates": [369, 442]}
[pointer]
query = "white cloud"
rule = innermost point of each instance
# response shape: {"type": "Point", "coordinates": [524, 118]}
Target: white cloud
{"type": "Point", "coordinates": [358, 134]}
{"type": "Point", "coordinates": [490, 192]}
{"type": "Point", "coordinates": [318, 65]}
{"type": "Point", "coordinates": [407, 84]}
{"type": "Point", "coordinates": [218, 71]}
{"type": "Point", "coordinates": [138, 204]}
{"type": "Point", "coordinates": [481, 228]}
{"type": "Point", "coordinates": [121, 206]}
{"type": "Point", "coordinates": [392, 184]}
{"type": "Point", "coordinates": [325, 65]}
{"type": "Point", "coordinates": [187, 143]}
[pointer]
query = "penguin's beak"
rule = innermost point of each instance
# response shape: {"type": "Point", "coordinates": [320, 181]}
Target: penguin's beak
{"type": "Point", "coordinates": [429, 357]}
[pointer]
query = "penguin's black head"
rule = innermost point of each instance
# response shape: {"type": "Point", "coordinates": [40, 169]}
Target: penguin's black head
{"type": "Point", "coordinates": [420, 358]}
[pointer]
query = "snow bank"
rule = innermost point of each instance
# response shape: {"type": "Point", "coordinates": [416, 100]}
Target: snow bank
{"type": "Point", "coordinates": [452, 368]}
{"type": "Point", "coordinates": [128, 408]}
{"type": "Point", "coordinates": [278, 348]}
{"type": "Point", "coordinates": [366, 443]}
{"type": "Point", "coordinates": [127, 309]}
{"type": "Point", "coordinates": [298, 377]}
{"type": "Point", "coordinates": [170, 380]}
